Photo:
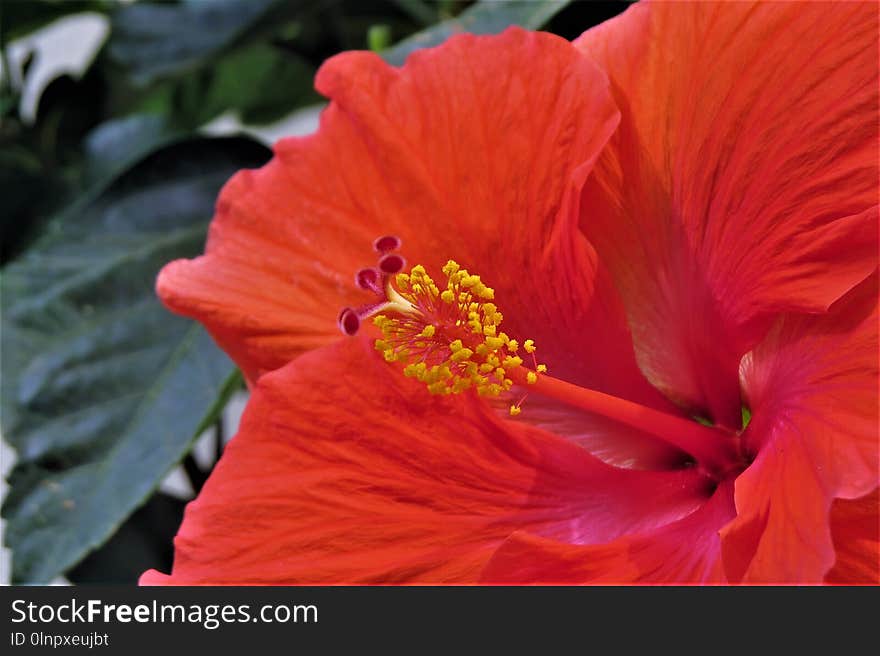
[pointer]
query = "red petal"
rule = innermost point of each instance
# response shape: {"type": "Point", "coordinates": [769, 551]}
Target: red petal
{"type": "Point", "coordinates": [473, 150]}
{"type": "Point", "coordinates": [602, 437]}
{"type": "Point", "coordinates": [346, 471]}
{"type": "Point", "coordinates": [812, 388]}
{"type": "Point", "coordinates": [685, 551]}
{"type": "Point", "coordinates": [855, 527]}
{"type": "Point", "coordinates": [743, 179]}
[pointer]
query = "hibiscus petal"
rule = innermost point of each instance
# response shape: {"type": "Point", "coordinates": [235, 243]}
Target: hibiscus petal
{"type": "Point", "coordinates": [685, 551]}
{"type": "Point", "coordinates": [602, 437]}
{"type": "Point", "coordinates": [473, 150]}
{"type": "Point", "coordinates": [812, 389]}
{"type": "Point", "coordinates": [855, 527]}
{"type": "Point", "coordinates": [346, 471]}
{"type": "Point", "coordinates": [742, 181]}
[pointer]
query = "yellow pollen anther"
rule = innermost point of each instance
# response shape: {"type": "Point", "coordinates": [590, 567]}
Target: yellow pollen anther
{"type": "Point", "coordinates": [446, 336]}
{"type": "Point", "coordinates": [450, 268]}
{"type": "Point", "coordinates": [494, 343]}
{"type": "Point", "coordinates": [542, 368]}
{"type": "Point", "coordinates": [531, 378]}
{"type": "Point", "coordinates": [462, 355]}
{"type": "Point", "coordinates": [511, 362]}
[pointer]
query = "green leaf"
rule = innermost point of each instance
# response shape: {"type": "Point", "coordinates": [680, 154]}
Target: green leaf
{"type": "Point", "coordinates": [32, 190]}
{"type": "Point", "coordinates": [178, 66]}
{"type": "Point", "coordinates": [103, 390]}
{"type": "Point", "coordinates": [152, 41]}
{"type": "Point", "coordinates": [378, 37]}
{"type": "Point", "coordinates": [485, 17]}
{"type": "Point", "coordinates": [262, 82]}
{"type": "Point", "coordinates": [116, 145]}
{"type": "Point", "coordinates": [746, 417]}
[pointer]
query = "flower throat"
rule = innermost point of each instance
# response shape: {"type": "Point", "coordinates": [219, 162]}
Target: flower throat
{"type": "Point", "coordinates": [447, 336]}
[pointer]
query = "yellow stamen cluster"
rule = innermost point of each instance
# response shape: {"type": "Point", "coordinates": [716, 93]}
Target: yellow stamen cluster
{"type": "Point", "coordinates": [449, 339]}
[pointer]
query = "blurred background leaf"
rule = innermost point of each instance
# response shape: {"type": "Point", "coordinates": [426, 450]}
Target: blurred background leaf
{"type": "Point", "coordinates": [195, 60]}
{"type": "Point", "coordinates": [103, 389]}
{"type": "Point", "coordinates": [261, 82]}
{"type": "Point", "coordinates": [115, 145]}
{"type": "Point", "coordinates": [152, 41]}
{"type": "Point", "coordinates": [484, 17]}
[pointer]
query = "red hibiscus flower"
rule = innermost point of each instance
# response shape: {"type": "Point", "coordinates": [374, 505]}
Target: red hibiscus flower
{"type": "Point", "coordinates": [680, 210]}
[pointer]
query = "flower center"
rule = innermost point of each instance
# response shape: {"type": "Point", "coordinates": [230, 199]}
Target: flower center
{"type": "Point", "coordinates": [447, 338]}
{"type": "Point", "coordinates": [450, 340]}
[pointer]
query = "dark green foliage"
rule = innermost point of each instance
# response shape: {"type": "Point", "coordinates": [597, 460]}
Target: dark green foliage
{"type": "Point", "coordinates": [486, 17]}
{"type": "Point", "coordinates": [103, 390]}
